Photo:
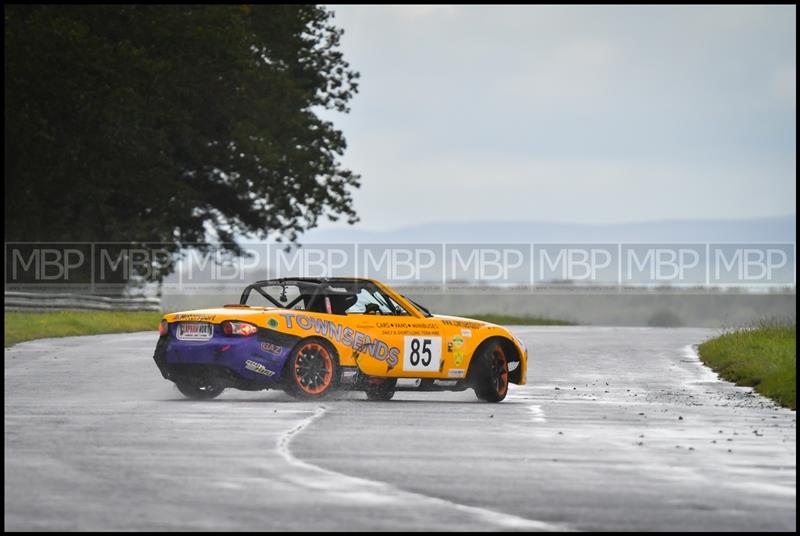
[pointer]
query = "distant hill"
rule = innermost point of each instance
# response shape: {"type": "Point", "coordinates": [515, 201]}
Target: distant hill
{"type": "Point", "coordinates": [777, 229]}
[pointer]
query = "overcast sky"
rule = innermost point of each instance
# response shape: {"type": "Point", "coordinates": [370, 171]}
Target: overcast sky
{"type": "Point", "coordinates": [570, 114]}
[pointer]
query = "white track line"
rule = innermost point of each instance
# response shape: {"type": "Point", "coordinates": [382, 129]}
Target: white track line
{"type": "Point", "coordinates": [374, 492]}
{"type": "Point", "coordinates": [707, 375]}
{"type": "Point", "coordinates": [537, 413]}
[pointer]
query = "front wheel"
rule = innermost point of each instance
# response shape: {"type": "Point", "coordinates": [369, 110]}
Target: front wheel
{"type": "Point", "coordinates": [312, 370]}
{"type": "Point", "coordinates": [198, 389]}
{"type": "Point", "coordinates": [490, 374]}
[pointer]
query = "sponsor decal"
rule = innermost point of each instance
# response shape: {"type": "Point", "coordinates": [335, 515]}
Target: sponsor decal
{"type": "Point", "coordinates": [273, 323]}
{"type": "Point", "coordinates": [401, 328]}
{"type": "Point", "coordinates": [271, 348]}
{"type": "Point", "coordinates": [194, 331]}
{"type": "Point", "coordinates": [194, 316]}
{"type": "Point", "coordinates": [471, 324]}
{"type": "Point", "coordinates": [466, 332]}
{"type": "Point", "coordinates": [347, 336]}
{"type": "Point", "coordinates": [445, 383]}
{"type": "Point", "coordinates": [455, 343]}
{"type": "Point", "coordinates": [458, 358]}
{"type": "Point", "coordinates": [456, 373]}
{"type": "Point", "coordinates": [258, 368]}
{"type": "Point", "coordinates": [394, 324]}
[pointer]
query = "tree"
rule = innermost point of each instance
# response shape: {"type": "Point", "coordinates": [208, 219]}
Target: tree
{"type": "Point", "coordinates": [169, 123]}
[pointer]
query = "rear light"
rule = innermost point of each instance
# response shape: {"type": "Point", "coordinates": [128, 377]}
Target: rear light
{"type": "Point", "coordinates": [163, 327]}
{"type": "Point", "coordinates": [238, 328]}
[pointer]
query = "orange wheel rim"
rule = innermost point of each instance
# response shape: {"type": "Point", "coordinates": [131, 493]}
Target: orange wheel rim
{"type": "Point", "coordinates": [500, 370]}
{"type": "Point", "coordinates": [313, 368]}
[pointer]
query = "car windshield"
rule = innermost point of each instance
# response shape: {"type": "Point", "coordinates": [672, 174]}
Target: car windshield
{"type": "Point", "coordinates": [422, 308]}
{"type": "Point", "coordinates": [371, 300]}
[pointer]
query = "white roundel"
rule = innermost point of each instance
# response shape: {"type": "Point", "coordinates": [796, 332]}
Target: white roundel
{"type": "Point", "coordinates": [422, 354]}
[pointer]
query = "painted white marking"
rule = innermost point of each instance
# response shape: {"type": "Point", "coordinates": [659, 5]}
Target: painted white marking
{"type": "Point", "coordinates": [228, 485]}
{"type": "Point", "coordinates": [708, 375]}
{"type": "Point", "coordinates": [767, 488]}
{"type": "Point", "coordinates": [374, 492]}
{"type": "Point", "coordinates": [537, 413]}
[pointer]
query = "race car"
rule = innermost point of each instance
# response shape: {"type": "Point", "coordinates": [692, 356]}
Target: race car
{"type": "Point", "coordinates": [313, 336]}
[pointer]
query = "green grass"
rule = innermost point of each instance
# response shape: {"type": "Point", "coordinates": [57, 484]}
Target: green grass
{"type": "Point", "coordinates": [763, 357]}
{"type": "Point", "coordinates": [28, 326]}
{"type": "Point", "coordinates": [516, 320]}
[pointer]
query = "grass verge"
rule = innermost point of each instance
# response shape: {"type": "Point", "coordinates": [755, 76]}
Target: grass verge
{"type": "Point", "coordinates": [22, 326]}
{"type": "Point", "coordinates": [515, 320]}
{"type": "Point", "coordinates": [763, 357]}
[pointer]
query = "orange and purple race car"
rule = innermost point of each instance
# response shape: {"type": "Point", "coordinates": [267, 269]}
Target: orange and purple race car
{"type": "Point", "coordinates": [312, 336]}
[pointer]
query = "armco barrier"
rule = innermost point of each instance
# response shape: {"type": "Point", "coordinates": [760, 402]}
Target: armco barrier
{"type": "Point", "coordinates": [32, 301]}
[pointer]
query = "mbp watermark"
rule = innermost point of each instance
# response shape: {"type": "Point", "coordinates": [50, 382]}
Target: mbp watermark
{"type": "Point", "coordinates": [590, 264]}
{"type": "Point", "coordinates": [118, 263]}
{"type": "Point", "coordinates": [663, 264]}
{"type": "Point", "coordinates": [324, 260]}
{"type": "Point", "coordinates": [438, 267]}
{"type": "Point", "coordinates": [401, 264]}
{"type": "Point", "coordinates": [487, 264]}
{"type": "Point", "coordinates": [46, 263]}
{"type": "Point", "coordinates": [751, 264]}
{"type": "Point", "coordinates": [217, 265]}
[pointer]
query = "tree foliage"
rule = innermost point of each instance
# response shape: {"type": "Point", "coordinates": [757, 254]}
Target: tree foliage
{"type": "Point", "coordinates": [167, 123]}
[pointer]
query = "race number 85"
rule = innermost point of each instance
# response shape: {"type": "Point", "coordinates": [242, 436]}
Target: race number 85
{"type": "Point", "coordinates": [422, 353]}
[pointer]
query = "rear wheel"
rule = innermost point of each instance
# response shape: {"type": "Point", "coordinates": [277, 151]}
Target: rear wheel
{"type": "Point", "coordinates": [199, 389]}
{"type": "Point", "coordinates": [312, 371]}
{"type": "Point", "coordinates": [490, 373]}
{"type": "Point", "coordinates": [380, 388]}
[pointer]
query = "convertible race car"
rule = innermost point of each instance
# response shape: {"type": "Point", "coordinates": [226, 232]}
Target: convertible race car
{"type": "Point", "coordinates": [312, 336]}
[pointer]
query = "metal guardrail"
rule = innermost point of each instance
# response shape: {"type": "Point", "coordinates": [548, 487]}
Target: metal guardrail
{"type": "Point", "coordinates": [32, 301]}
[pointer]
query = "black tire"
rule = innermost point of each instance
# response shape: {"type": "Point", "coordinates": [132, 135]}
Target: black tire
{"type": "Point", "coordinates": [381, 391]}
{"type": "Point", "coordinates": [489, 372]}
{"type": "Point", "coordinates": [198, 389]}
{"type": "Point", "coordinates": [312, 370]}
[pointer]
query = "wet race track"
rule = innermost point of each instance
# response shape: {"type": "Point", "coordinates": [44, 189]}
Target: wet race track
{"type": "Point", "coordinates": [618, 429]}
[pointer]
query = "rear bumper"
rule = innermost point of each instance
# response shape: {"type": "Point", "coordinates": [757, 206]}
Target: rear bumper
{"type": "Point", "coordinates": [243, 362]}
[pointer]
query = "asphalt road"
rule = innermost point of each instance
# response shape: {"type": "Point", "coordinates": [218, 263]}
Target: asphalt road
{"type": "Point", "coordinates": [619, 429]}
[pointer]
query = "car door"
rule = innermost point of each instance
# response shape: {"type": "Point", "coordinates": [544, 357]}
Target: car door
{"type": "Point", "coordinates": [395, 343]}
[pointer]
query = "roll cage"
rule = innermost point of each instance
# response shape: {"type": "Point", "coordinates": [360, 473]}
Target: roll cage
{"type": "Point", "coordinates": [323, 295]}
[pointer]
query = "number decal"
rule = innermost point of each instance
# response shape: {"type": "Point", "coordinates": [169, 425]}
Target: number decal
{"type": "Point", "coordinates": [414, 357]}
{"type": "Point", "coordinates": [422, 353]}
{"type": "Point", "coordinates": [425, 350]}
